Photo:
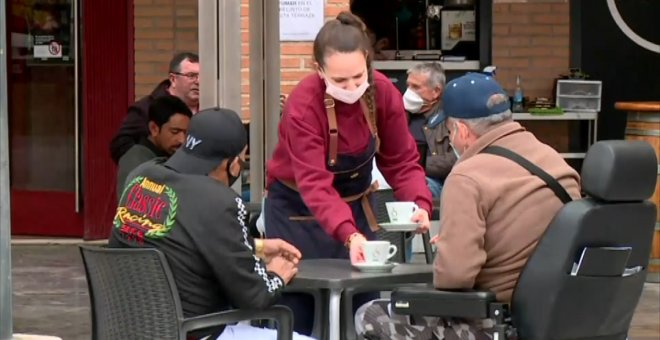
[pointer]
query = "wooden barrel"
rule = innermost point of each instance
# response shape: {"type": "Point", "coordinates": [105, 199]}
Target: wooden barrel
{"type": "Point", "coordinates": [644, 124]}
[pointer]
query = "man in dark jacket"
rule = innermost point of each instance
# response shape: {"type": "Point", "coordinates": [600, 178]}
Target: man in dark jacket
{"type": "Point", "coordinates": [183, 82]}
{"type": "Point", "coordinates": [426, 83]}
{"type": "Point", "coordinates": [168, 123]}
{"type": "Point", "coordinates": [185, 208]}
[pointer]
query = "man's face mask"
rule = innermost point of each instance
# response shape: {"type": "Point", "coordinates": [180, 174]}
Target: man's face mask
{"type": "Point", "coordinates": [451, 141]}
{"type": "Point", "coordinates": [412, 102]}
{"type": "Point", "coordinates": [233, 178]}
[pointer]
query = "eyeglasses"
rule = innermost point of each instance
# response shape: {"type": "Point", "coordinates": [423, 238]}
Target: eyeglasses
{"type": "Point", "coordinates": [191, 76]}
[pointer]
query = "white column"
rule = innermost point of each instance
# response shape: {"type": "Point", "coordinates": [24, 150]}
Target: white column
{"type": "Point", "coordinates": [264, 88]}
{"type": "Point", "coordinates": [5, 210]}
{"type": "Point", "coordinates": [220, 55]}
{"type": "Point", "coordinates": [271, 74]}
{"type": "Point", "coordinates": [257, 89]}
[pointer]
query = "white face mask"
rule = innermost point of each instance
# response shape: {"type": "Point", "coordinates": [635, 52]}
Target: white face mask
{"type": "Point", "coordinates": [412, 102]}
{"type": "Point", "coordinates": [451, 143]}
{"type": "Point", "coordinates": [346, 96]}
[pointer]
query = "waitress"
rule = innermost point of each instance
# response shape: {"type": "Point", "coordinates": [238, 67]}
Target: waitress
{"type": "Point", "coordinates": [319, 180]}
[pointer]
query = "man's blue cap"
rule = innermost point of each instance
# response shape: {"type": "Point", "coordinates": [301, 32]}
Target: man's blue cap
{"type": "Point", "coordinates": [466, 97]}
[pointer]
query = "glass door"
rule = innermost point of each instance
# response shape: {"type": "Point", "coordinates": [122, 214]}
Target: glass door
{"type": "Point", "coordinates": [43, 89]}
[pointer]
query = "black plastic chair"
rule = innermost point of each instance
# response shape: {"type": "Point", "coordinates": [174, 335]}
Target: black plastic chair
{"type": "Point", "coordinates": [133, 296]}
{"type": "Point", "coordinates": [551, 300]}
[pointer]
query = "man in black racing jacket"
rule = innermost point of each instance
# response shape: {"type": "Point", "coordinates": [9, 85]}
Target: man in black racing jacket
{"type": "Point", "coordinates": [184, 207]}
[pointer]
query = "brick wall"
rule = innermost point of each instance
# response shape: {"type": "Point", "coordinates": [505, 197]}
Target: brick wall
{"type": "Point", "coordinates": [162, 28]}
{"type": "Point", "coordinates": [531, 39]}
{"type": "Point", "coordinates": [296, 57]}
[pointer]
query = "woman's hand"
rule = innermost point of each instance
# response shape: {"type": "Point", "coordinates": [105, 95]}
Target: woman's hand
{"type": "Point", "coordinates": [274, 247]}
{"type": "Point", "coordinates": [421, 217]}
{"type": "Point", "coordinates": [355, 248]}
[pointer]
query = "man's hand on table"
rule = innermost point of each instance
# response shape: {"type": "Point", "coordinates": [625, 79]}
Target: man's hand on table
{"type": "Point", "coordinates": [284, 268]}
{"type": "Point", "coordinates": [274, 247]}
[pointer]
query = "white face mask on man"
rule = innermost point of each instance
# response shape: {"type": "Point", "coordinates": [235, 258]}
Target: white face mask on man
{"type": "Point", "coordinates": [346, 96]}
{"type": "Point", "coordinates": [412, 102]}
{"type": "Point", "coordinates": [451, 142]}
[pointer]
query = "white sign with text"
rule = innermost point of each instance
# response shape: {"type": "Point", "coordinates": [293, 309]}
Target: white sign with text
{"type": "Point", "coordinates": [300, 20]}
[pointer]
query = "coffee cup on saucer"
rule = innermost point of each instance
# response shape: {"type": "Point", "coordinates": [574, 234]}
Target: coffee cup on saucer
{"type": "Point", "coordinates": [378, 252]}
{"type": "Point", "coordinates": [401, 212]}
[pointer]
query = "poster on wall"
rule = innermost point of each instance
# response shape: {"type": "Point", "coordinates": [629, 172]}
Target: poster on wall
{"type": "Point", "coordinates": [45, 47]}
{"type": "Point", "coordinates": [457, 26]}
{"type": "Point", "coordinates": [300, 20]}
{"type": "Point", "coordinates": [42, 31]}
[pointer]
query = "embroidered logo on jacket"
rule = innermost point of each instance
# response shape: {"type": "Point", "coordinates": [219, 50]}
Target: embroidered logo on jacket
{"type": "Point", "coordinates": [146, 210]}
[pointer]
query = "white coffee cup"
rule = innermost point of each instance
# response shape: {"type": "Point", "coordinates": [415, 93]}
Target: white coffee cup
{"type": "Point", "coordinates": [378, 252]}
{"type": "Point", "coordinates": [401, 212]}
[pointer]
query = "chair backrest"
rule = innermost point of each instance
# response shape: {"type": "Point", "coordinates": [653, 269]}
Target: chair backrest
{"type": "Point", "coordinates": [132, 293]}
{"type": "Point", "coordinates": [551, 303]}
{"type": "Point", "coordinates": [381, 197]}
{"type": "Point", "coordinates": [396, 238]}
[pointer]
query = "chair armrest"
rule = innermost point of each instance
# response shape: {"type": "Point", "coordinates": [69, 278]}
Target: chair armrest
{"type": "Point", "coordinates": [442, 303]}
{"type": "Point", "coordinates": [281, 314]}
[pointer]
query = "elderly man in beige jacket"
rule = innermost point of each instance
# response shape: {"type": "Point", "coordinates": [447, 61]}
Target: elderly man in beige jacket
{"type": "Point", "coordinates": [493, 210]}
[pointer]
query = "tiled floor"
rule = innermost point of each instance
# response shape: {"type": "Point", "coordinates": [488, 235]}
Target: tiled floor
{"type": "Point", "coordinates": [50, 295]}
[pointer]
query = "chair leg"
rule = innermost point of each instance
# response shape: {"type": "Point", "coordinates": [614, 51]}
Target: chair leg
{"type": "Point", "coordinates": [320, 314]}
{"type": "Point", "coordinates": [403, 246]}
{"type": "Point", "coordinates": [428, 251]}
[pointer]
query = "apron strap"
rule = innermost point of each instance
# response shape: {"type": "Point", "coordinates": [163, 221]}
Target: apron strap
{"type": "Point", "coordinates": [333, 132]}
{"type": "Point", "coordinates": [371, 121]}
{"type": "Point", "coordinates": [363, 197]}
{"type": "Point", "coordinates": [332, 129]}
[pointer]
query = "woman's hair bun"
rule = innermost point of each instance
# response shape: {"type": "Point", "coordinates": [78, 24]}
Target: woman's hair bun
{"type": "Point", "coordinates": [348, 18]}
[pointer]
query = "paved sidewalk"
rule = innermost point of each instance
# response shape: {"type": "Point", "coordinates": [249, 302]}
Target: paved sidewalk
{"type": "Point", "coordinates": [50, 295]}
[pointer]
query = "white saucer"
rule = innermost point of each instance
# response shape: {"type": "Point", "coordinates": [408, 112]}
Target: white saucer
{"type": "Point", "coordinates": [374, 268]}
{"type": "Point", "coordinates": [399, 226]}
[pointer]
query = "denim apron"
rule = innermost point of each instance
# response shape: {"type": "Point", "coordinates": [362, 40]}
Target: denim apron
{"type": "Point", "coordinates": [288, 218]}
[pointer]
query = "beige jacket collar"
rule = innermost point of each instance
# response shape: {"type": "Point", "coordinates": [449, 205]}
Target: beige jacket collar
{"type": "Point", "coordinates": [504, 129]}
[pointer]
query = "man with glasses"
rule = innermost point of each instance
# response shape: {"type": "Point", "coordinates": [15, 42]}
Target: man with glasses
{"type": "Point", "coordinates": [182, 82]}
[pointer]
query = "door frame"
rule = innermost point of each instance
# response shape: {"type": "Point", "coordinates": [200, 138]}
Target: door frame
{"type": "Point", "coordinates": [49, 213]}
{"type": "Point", "coordinates": [106, 88]}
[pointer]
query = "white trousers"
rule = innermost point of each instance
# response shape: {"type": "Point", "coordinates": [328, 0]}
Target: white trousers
{"type": "Point", "coordinates": [242, 332]}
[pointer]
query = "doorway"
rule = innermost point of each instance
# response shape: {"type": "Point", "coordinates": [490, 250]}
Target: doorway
{"type": "Point", "coordinates": [43, 78]}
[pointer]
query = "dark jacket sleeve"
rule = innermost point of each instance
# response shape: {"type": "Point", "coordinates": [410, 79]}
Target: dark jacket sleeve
{"type": "Point", "coordinates": [134, 126]}
{"type": "Point", "coordinates": [229, 249]}
{"type": "Point", "coordinates": [442, 158]}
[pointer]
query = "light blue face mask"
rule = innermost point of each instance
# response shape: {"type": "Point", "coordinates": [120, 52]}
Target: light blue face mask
{"type": "Point", "coordinates": [453, 148]}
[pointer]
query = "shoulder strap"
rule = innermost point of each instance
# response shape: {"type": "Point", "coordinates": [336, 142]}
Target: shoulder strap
{"type": "Point", "coordinates": [329, 103]}
{"type": "Point", "coordinates": [552, 183]}
{"type": "Point", "coordinates": [332, 129]}
{"type": "Point", "coordinates": [367, 116]}
{"type": "Point", "coordinates": [371, 121]}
